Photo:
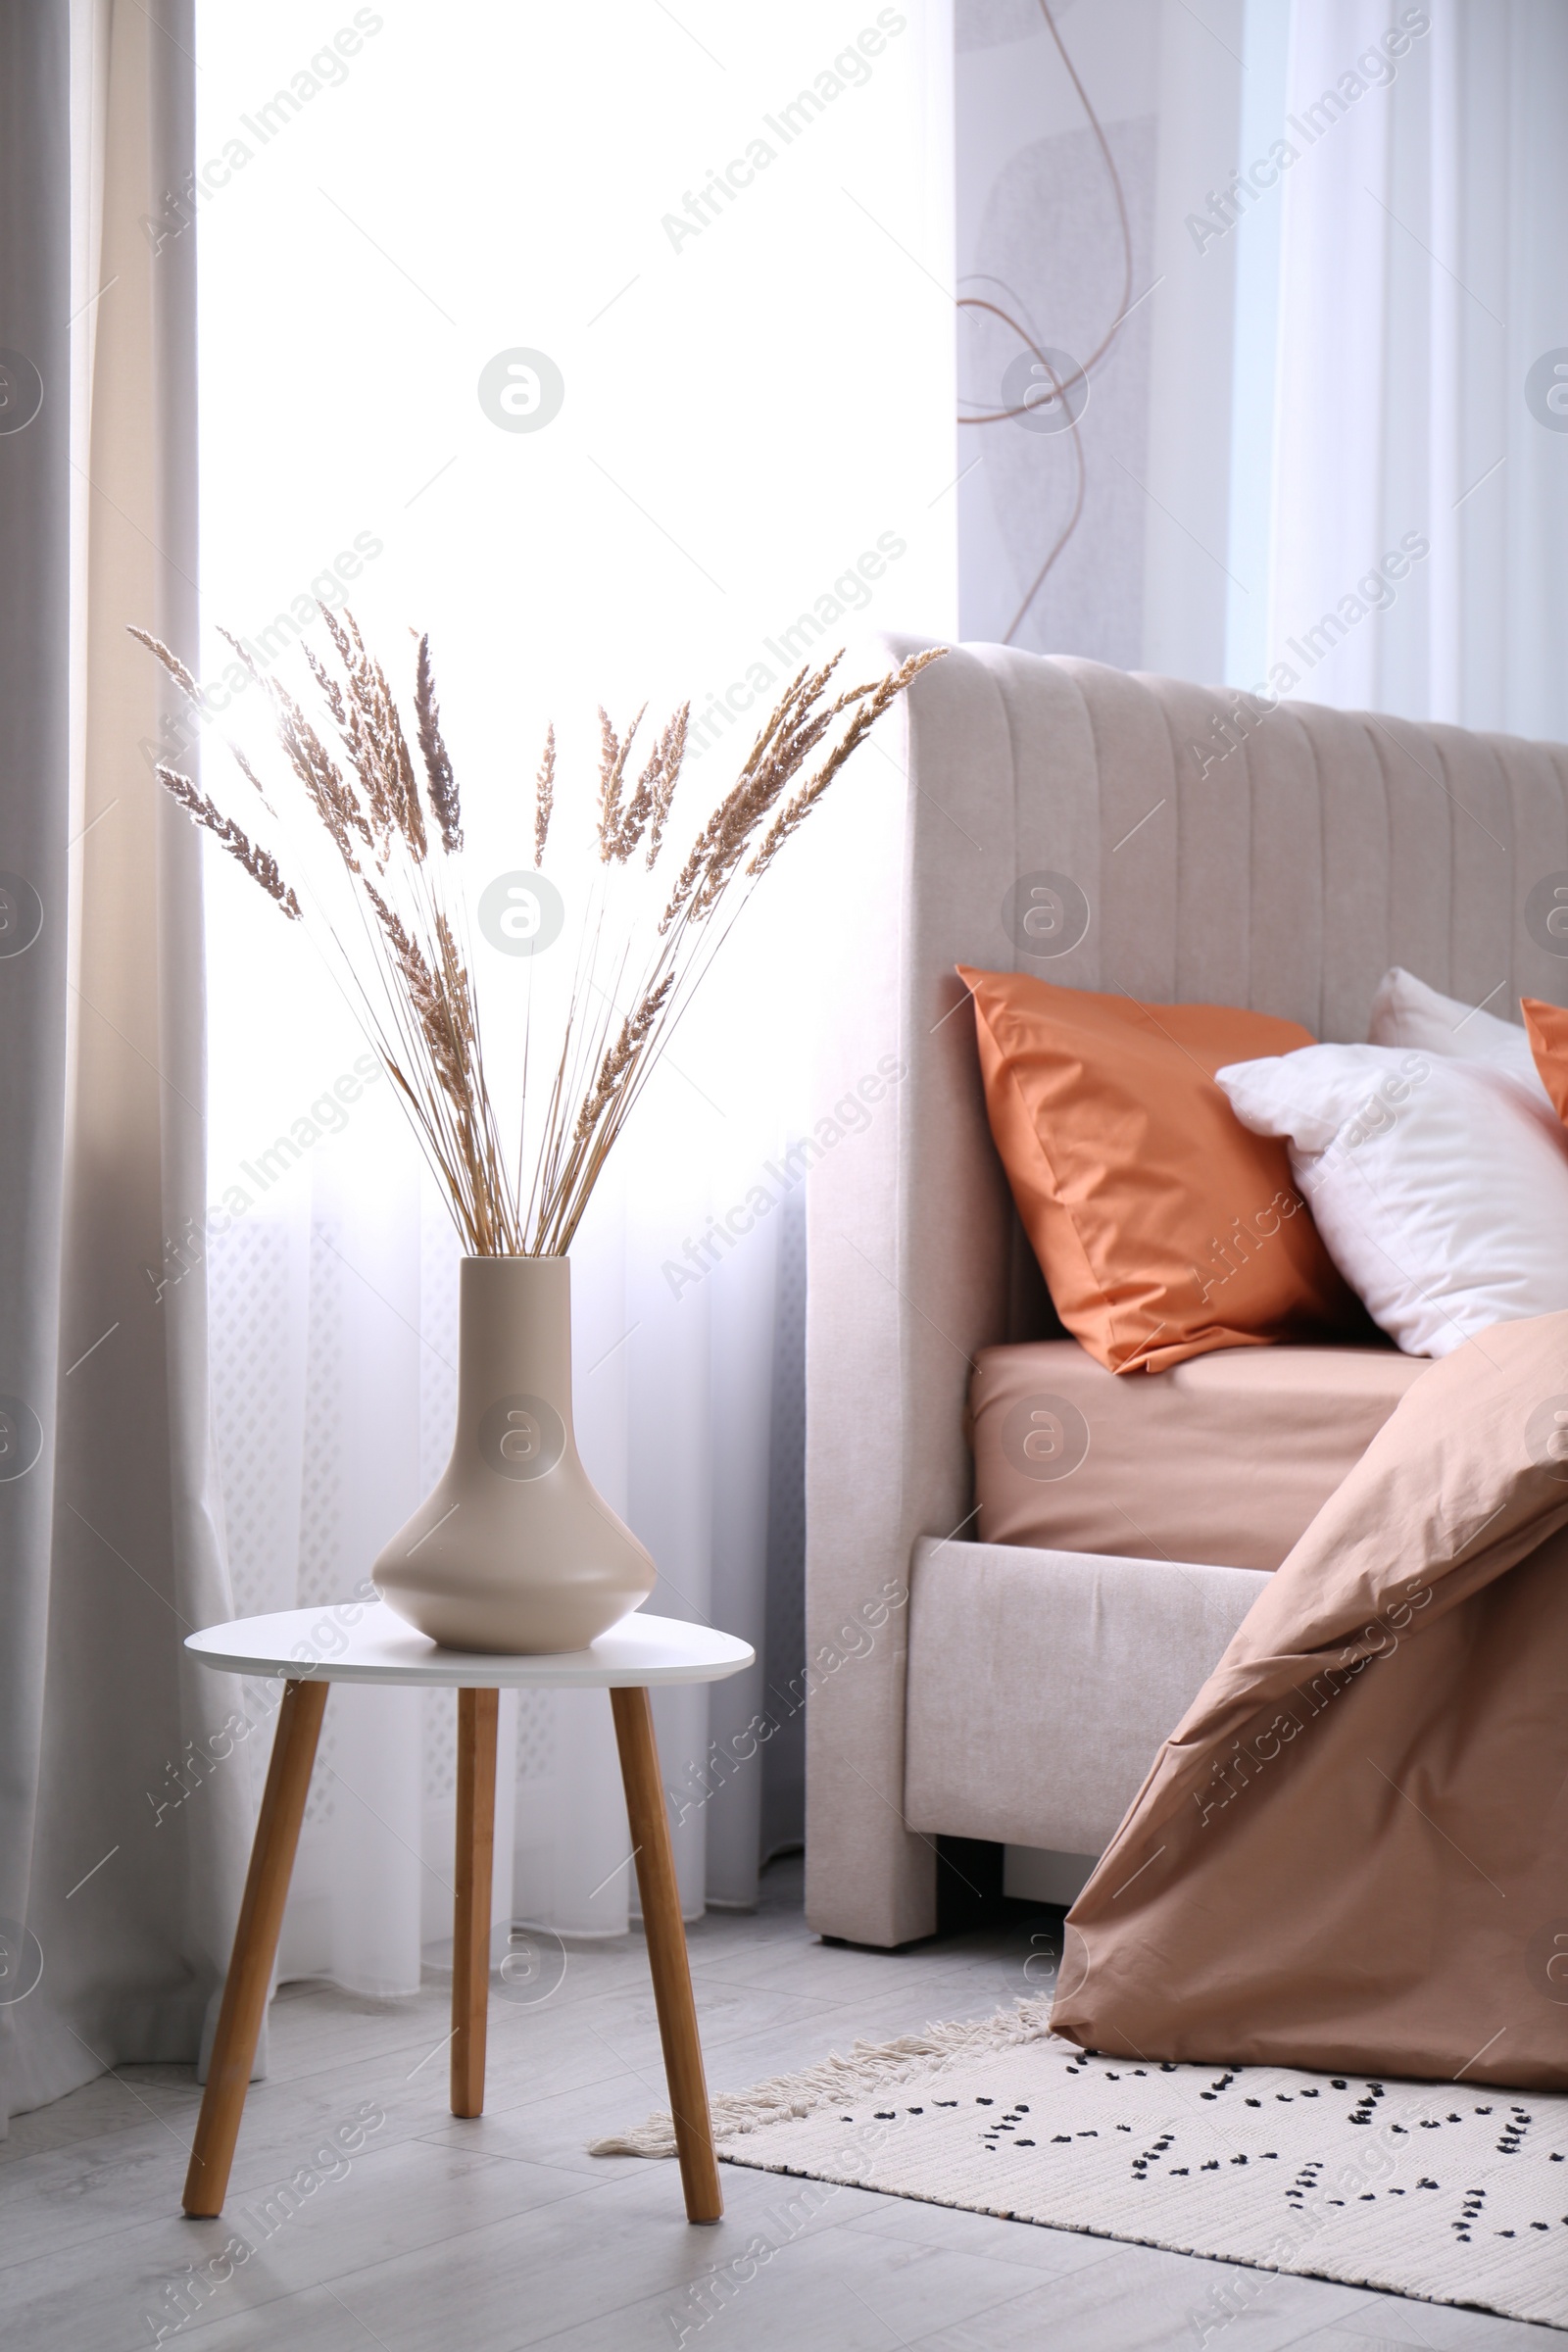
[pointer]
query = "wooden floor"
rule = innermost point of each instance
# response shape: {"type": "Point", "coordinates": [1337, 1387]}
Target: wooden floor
{"type": "Point", "coordinates": [486, 2235]}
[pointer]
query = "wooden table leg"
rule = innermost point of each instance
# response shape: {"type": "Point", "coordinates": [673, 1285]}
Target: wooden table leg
{"type": "Point", "coordinates": [250, 1967]}
{"type": "Point", "coordinates": [666, 1952]}
{"type": "Point", "coordinates": [478, 1714]}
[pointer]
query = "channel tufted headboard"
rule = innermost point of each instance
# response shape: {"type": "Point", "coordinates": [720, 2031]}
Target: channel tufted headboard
{"type": "Point", "coordinates": [1105, 831]}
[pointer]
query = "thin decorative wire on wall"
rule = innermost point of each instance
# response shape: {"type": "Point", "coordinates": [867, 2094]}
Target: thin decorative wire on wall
{"type": "Point", "coordinates": [1058, 386]}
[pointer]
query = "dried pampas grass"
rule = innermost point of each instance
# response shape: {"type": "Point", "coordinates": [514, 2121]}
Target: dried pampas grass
{"type": "Point", "coordinates": [397, 829]}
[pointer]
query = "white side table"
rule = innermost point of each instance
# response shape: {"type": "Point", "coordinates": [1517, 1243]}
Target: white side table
{"type": "Point", "coordinates": [378, 1647]}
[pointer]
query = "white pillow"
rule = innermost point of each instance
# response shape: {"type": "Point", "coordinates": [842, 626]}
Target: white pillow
{"type": "Point", "coordinates": [1439, 1187]}
{"type": "Point", "coordinates": [1407, 1012]}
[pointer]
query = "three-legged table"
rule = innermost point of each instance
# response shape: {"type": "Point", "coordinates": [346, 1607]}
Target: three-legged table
{"type": "Point", "coordinates": [379, 1647]}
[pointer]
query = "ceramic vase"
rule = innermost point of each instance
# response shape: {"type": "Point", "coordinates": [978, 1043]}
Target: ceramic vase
{"type": "Point", "coordinates": [514, 1549]}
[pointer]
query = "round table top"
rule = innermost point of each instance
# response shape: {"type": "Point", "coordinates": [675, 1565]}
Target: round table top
{"type": "Point", "coordinates": [366, 1642]}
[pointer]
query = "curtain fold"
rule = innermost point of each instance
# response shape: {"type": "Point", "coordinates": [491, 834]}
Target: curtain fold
{"type": "Point", "coordinates": [34, 833]}
{"type": "Point", "coordinates": [136, 1849]}
{"type": "Point", "coordinates": [1420, 287]}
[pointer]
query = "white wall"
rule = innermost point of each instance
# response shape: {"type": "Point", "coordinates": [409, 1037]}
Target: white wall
{"type": "Point", "coordinates": [1038, 234]}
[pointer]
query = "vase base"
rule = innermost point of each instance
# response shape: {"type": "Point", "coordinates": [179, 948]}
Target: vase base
{"type": "Point", "coordinates": [541, 1624]}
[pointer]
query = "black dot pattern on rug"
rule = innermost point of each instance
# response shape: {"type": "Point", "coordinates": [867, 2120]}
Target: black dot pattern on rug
{"type": "Point", "coordinates": [1388, 2155]}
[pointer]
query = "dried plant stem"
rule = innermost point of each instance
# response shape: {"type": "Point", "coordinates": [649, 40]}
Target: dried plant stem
{"type": "Point", "coordinates": [261, 867]}
{"type": "Point", "coordinates": [405, 960]}
{"type": "Point", "coordinates": [544, 798]}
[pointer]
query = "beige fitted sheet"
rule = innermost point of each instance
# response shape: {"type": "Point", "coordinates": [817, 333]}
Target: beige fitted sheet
{"type": "Point", "coordinates": [1225, 1459]}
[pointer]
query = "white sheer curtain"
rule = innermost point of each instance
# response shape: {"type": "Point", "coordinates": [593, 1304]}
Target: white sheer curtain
{"type": "Point", "coordinates": [751, 460]}
{"type": "Point", "coordinates": [1420, 284]}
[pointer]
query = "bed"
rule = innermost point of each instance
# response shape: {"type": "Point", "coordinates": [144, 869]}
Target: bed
{"type": "Point", "coordinates": [1048, 1631]}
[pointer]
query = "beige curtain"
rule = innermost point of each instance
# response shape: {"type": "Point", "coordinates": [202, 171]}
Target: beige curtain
{"type": "Point", "coordinates": [131, 1862]}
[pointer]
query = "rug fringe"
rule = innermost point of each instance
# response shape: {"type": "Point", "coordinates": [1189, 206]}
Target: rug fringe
{"type": "Point", "coordinates": [869, 2067]}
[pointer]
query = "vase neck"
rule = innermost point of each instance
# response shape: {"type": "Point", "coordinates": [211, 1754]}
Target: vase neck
{"type": "Point", "coordinates": [514, 1334]}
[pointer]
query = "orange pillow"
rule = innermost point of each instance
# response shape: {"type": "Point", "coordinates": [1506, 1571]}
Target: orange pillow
{"type": "Point", "coordinates": [1163, 1228]}
{"type": "Point", "coordinates": [1547, 1026]}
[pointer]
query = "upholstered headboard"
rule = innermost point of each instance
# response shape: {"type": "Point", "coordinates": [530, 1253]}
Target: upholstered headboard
{"type": "Point", "coordinates": [1180, 842]}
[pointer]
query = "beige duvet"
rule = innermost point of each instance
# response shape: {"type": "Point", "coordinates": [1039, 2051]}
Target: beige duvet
{"type": "Point", "coordinates": [1353, 1851]}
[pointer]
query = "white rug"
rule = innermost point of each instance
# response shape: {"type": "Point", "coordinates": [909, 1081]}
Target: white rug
{"type": "Point", "coordinates": [1450, 2194]}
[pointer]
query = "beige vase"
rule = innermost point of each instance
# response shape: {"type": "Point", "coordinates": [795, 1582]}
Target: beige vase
{"type": "Point", "coordinates": [514, 1549]}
